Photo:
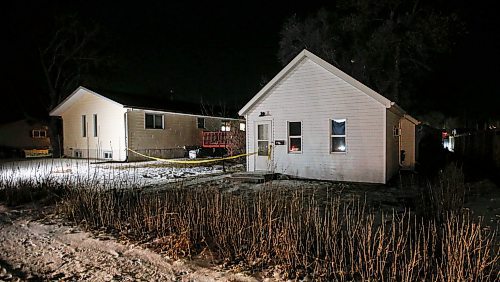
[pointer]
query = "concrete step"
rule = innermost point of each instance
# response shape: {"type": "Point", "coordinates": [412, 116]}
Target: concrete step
{"type": "Point", "coordinates": [252, 177]}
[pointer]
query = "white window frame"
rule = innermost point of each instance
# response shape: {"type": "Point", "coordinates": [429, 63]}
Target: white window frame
{"type": "Point", "coordinates": [332, 136]}
{"type": "Point", "coordinates": [198, 123]}
{"type": "Point", "coordinates": [37, 133]}
{"type": "Point", "coordinates": [243, 126]}
{"type": "Point", "coordinates": [225, 126]}
{"type": "Point", "coordinates": [78, 154]}
{"type": "Point", "coordinates": [154, 121]}
{"type": "Point", "coordinates": [396, 131]}
{"type": "Point", "coordinates": [110, 155]}
{"type": "Point", "coordinates": [294, 136]}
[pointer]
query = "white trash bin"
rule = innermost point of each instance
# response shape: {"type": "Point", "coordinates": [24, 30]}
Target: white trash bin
{"type": "Point", "coordinates": [192, 154]}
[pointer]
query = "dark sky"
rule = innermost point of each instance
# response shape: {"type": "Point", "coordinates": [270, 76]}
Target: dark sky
{"type": "Point", "coordinates": [214, 50]}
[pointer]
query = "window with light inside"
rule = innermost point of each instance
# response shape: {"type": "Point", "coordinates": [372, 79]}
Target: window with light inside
{"type": "Point", "coordinates": [295, 137]}
{"type": "Point", "coordinates": [226, 126]}
{"type": "Point", "coordinates": [338, 140]}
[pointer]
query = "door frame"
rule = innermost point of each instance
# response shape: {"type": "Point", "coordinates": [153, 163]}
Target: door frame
{"type": "Point", "coordinates": [270, 145]}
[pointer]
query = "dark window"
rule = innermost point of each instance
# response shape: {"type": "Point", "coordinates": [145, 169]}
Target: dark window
{"type": "Point", "coordinates": [39, 133]}
{"type": "Point", "coordinates": [154, 121]}
{"type": "Point", "coordinates": [95, 125]}
{"type": "Point", "coordinates": [295, 136]}
{"type": "Point", "coordinates": [338, 135]}
{"type": "Point", "coordinates": [201, 123]}
{"type": "Point", "coordinates": [84, 126]}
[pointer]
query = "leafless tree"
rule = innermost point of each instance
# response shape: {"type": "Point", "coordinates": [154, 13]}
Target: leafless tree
{"type": "Point", "coordinates": [67, 58]}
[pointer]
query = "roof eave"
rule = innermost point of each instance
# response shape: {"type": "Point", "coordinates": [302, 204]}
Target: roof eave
{"type": "Point", "coordinates": [59, 109]}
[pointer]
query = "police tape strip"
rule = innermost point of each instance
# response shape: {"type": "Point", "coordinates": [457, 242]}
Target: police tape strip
{"type": "Point", "coordinates": [191, 162]}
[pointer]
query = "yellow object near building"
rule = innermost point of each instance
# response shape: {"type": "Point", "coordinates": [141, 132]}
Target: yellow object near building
{"type": "Point", "coordinates": [36, 153]}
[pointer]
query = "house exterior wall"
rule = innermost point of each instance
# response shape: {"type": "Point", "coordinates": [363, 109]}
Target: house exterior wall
{"type": "Point", "coordinates": [19, 135]}
{"type": "Point", "coordinates": [392, 144]}
{"type": "Point", "coordinates": [110, 128]}
{"type": "Point", "coordinates": [314, 96]}
{"type": "Point", "coordinates": [408, 143]}
{"type": "Point", "coordinates": [179, 130]}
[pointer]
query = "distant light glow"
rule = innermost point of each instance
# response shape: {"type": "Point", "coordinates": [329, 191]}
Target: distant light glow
{"type": "Point", "coordinates": [341, 148]}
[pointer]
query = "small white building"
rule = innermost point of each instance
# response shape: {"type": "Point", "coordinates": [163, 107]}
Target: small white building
{"type": "Point", "coordinates": [105, 126]}
{"type": "Point", "coordinates": [314, 121]}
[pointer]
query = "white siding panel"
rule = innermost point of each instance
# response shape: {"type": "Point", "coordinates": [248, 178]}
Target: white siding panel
{"type": "Point", "coordinates": [313, 95]}
{"type": "Point", "coordinates": [110, 128]}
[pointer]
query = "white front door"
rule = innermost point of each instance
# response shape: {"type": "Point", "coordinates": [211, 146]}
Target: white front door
{"type": "Point", "coordinates": [263, 143]}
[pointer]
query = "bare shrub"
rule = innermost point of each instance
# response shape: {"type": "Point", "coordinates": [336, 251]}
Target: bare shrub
{"type": "Point", "coordinates": [296, 231]}
{"type": "Point", "coordinates": [445, 194]}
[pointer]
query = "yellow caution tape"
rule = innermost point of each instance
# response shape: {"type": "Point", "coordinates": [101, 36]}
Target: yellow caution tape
{"type": "Point", "coordinates": [190, 162]}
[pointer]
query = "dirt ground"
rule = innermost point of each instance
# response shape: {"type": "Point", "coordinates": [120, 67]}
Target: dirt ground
{"type": "Point", "coordinates": [37, 246]}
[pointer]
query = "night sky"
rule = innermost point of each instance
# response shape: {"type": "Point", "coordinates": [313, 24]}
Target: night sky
{"type": "Point", "coordinates": [217, 51]}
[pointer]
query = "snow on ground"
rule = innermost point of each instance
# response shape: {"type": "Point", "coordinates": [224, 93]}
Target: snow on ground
{"type": "Point", "coordinates": [44, 249]}
{"type": "Point", "coordinates": [110, 175]}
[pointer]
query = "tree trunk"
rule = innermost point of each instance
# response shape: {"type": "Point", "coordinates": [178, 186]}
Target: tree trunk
{"type": "Point", "coordinates": [55, 135]}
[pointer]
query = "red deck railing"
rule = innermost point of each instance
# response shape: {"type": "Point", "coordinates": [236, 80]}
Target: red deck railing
{"type": "Point", "coordinates": [214, 139]}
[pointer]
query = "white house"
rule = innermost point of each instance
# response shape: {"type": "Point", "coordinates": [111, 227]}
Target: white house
{"type": "Point", "coordinates": [314, 121]}
{"type": "Point", "coordinates": [103, 126]}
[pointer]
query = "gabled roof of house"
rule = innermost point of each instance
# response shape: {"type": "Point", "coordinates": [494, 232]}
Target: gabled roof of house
{"type": "Point", "coordinates": [347, 78]}
{"type": "Point", "coordinates": [144, 102]}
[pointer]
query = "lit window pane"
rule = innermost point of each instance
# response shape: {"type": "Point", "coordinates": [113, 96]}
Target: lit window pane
{"type": "Point", "coordinates": [338, 144]}
{"type": "Point", "coordinates": [295, 144]}
{"type": "Point", "coordinates": [294, 129]}
{"type": "Point", "coordinates": [338, 127]}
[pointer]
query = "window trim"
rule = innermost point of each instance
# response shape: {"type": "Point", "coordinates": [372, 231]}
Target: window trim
{"type": "Point", "coordinates": [110, 157]}
{"type": "Point", "coordinates": [78, 154]}
{"type": "Point", "coordinates": [225, 126]}
{"type": "Point", "coordinates": [198, 123]}
{"type": "Point", "coordinates": [39, 131]}
{"type": "Point", "coordinates": [294, 136]}
{"type": "Point", "coordinates": [154, 120]}
{"type": "Point", "coordinates": [331, 135]}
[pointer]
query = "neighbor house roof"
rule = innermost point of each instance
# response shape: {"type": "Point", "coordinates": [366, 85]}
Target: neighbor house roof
{"type": "Point", "coordinates": [347, 78]}
{"type": "Point", "coordinates": [144, 102]}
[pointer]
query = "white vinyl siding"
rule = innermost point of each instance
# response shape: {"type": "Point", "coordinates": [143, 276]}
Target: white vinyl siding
{"type": "Point", "coordinates": [314, 95]}
{"type": "Point", "coordinates": [111, 128]}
